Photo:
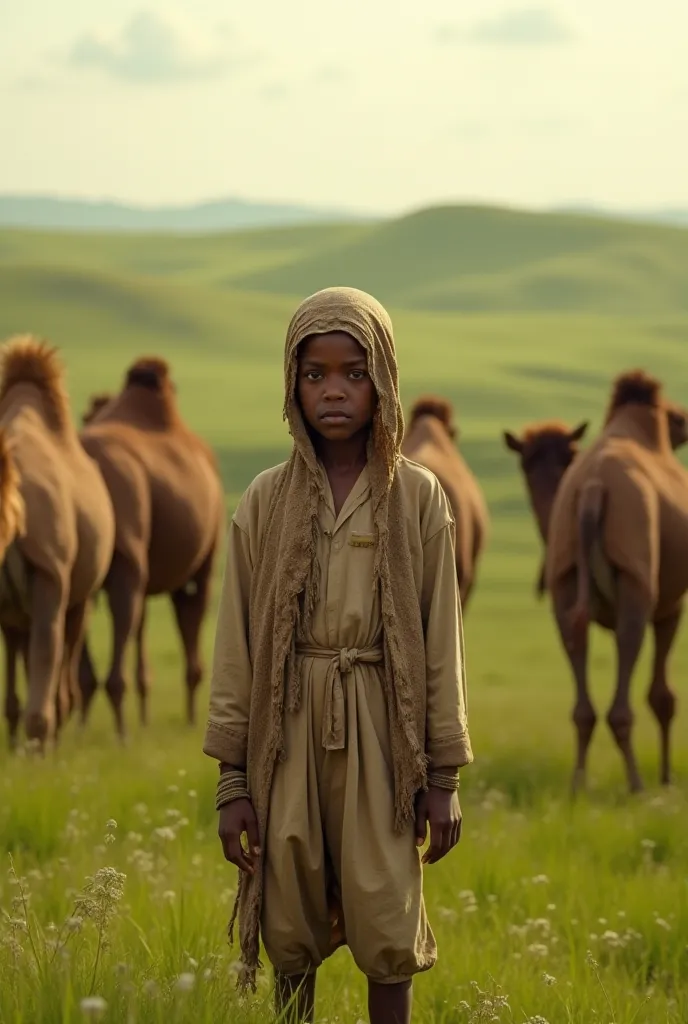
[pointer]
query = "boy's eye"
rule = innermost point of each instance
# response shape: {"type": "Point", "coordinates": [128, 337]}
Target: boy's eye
{"type": "Point", "coordinates": [358, 374]}
{"type": "Point", "coordinates": [313, 375]}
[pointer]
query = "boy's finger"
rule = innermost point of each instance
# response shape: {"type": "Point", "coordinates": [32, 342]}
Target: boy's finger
{"type": "Point", "coordinates": [239, 856]}
{"type": "Point", "coordinates": [431, 854]}
{"type": "Point", "coordinates": [251, 825]}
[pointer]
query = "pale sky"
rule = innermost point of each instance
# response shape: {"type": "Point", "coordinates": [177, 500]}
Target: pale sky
{"type": "Point", "coordinates": [380, 105]}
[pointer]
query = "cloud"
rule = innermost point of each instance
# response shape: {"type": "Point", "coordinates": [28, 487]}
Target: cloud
{"type": "Point", "coordinates": [332, 74]}
{"type": "Point", "coordinates": [155, 48]}
{"type": "Point", "coordinates": [527, 26]}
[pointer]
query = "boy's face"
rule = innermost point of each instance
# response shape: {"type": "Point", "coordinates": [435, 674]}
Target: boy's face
{"type": "Point", "coordinates": [336, 393]}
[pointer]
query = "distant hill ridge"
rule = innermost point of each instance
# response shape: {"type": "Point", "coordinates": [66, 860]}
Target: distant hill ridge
{"type": "Point", "coordinates": [48, 212]}
{"type": "Point", "coordinates": [452, 259]}
{"type": "Point", "coordinates": [480, 259]}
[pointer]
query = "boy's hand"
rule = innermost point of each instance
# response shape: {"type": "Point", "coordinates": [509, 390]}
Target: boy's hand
{"type": "Point", "coordinates": [236, 818]}
{"type": "Point", "coordinates": [440, 809]}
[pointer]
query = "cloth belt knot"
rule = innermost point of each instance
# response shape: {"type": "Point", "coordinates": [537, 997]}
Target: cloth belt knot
{"type": "Point", "coordinates": [341, 664]}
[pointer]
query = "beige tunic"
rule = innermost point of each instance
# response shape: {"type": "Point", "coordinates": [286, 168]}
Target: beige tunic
{"type": "Point", "coordinates": [335, 869]}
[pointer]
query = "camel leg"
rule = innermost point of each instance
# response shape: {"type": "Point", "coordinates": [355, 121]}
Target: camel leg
{"type": "Point", "coordinates": [125, 586]}
{"type": "Point", "coordinates": [575, 644]}
{"type": "Point", "coordinates": [75, 630]}
{"type": "Point", "coordinates": [661, 697]}
{"type": "Point", "coordinates": [632, 617]}
{"type": "Point", "coordinates": [88, 681]}
{"type": "Point", "coordinates": [142, 672]}
{"type": "Point", "coordinates": [12, 705]}
{"type": "Point", "coordinates": [46, 646]}
{"type": "Point", "coordinates": [190, 607]}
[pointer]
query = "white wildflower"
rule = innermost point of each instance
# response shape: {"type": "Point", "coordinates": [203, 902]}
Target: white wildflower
{"type": "Point", "coordinates": [93, 1006]}
{"type": "Point", "coordinates": [185, 982]}
{"type": "Point", "coordinates": [166, 833]}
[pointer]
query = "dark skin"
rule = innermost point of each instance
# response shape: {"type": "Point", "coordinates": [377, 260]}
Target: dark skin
{"type": "Point", "coordinates": [338, 401]}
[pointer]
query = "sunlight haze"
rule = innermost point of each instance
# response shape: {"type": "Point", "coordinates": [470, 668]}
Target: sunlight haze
{"type": "Point", "coordinates": [372, 105]}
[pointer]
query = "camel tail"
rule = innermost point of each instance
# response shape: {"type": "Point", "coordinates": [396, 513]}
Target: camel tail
{"type": "Point", "coordinates": [12, 509]}
{"type": "Point", "coordinates": [589, 522]}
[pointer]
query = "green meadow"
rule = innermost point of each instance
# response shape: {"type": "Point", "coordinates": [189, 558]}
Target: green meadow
{"type": "Point", "coordinates": [548, 910]}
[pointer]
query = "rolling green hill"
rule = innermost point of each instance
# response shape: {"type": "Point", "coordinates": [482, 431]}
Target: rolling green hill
{"type": "Point", "coordinates": [507, 313]}
{"type": "Point", "coordinates": [483, 259]}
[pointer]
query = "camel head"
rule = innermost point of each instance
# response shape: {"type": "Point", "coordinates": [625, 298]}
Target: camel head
{"type": "Point", "coordinates": [545, 450]}
{"type": "Point", "coordinates": [96, 403]}
{"type": "Point", "coordinates": [438, 407]}
{"type": "Point", "coordinates": [678, 425]}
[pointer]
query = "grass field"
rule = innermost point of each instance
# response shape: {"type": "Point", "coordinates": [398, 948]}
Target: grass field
{"type": "Point", "coordinates": [594, 895]}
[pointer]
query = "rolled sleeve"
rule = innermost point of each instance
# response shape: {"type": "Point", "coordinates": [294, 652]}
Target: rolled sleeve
{"type": "Point", "coordinates": [226, 734]}
{"type": "Point", "coordinates": [448, 744]}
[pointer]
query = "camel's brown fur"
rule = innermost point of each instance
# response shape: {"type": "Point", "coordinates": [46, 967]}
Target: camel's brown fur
{"type": "Point", "coordinates": [429, 441]}
{"type": "Point", "coordinates": [434, 405]}
{"type": "Point", "coordinates": [635, 387]}
{"type": "Point", "coordinates": [678, 425]}
{"type": "Point", "coordinates": [58, 534]}
{"type": "Point", "coordinates": [545, 450]}
{"type": "Point", "coordinates": [618, 556]}
{"type": "Point", "coordinates": [96, 403]}
{"type": "Point", "coordinates": [169, 511]}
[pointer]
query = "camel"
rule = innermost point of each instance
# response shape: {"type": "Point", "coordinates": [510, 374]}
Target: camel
{"type": "Point", "coordinates": [546, 450]}
{"type": "Point", "coordinates": [57, 528]}
{"type": "Point", "coordinates": [169, 512]}
{"type": "Point", "coordinates": [430, 441]}
{"type": "Point", "coordinates": [617, 555]}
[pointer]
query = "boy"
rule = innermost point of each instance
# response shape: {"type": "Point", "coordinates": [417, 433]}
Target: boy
{"type": "Point", "coordinates": [338, 698]}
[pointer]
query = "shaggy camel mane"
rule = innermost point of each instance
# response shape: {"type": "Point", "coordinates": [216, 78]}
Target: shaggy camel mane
{"type": "Point", "coordinates": [434, 405]}
{"type": "Point", "coordinates": [546, 430]}
{"type": "Point", "coordinates": [29, 360]}
{"type": "Point", "coordinates": [12, 509]}
{"type": "Point", "coordinates": [635, 387]}
{"type": "Point", "coordinates": [150, 372]}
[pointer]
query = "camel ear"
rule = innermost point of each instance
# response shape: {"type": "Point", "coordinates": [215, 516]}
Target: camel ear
{"type": "Point", "coordinates": [512, 442]}
{"type": "Point", "coordinates": [578, 433]}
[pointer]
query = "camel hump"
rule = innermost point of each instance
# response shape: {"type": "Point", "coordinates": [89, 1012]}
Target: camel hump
{"type": "Point", "coordinates": [634, 387]}
{"type": "Point", "coordinates": [150, 372]}
{"type": "Point", "coordinates": [12, 508]}
{"type": "Point", "coordinates": [96, 403]}
{"type": "Point", "coordinates": [26, 359]}
{"type": "Point", "coordinates": [438, 407]}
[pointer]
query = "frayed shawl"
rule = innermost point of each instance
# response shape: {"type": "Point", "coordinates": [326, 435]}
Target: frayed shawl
{"type": "Point", "coordinates": [284, 588]}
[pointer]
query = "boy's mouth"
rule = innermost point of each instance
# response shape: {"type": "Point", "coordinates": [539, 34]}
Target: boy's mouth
{"type": "Point", "coordinates": [335, 417]}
